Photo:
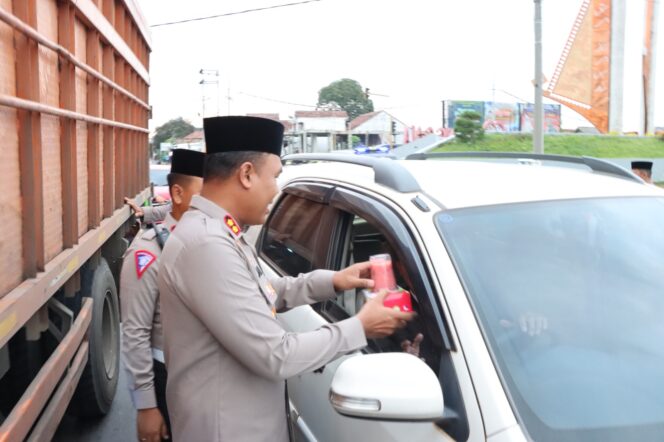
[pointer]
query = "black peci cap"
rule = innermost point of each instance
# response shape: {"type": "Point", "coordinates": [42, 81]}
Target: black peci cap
{"type": "Point", "coordinates": [187, 162]}
{"type": "Point", "coordinates": [241, 134]}
{"type": "Point", "coordinates": [642, 165]}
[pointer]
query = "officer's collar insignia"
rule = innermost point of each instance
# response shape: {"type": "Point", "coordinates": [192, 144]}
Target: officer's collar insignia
{"type": "Point", "coordinates": [143, 259]}
{"type": "Point", "coordinates": [232, 225]}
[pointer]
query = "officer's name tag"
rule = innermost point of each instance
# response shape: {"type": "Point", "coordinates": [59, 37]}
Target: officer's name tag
{"type": "Point", "coordinates": [271, 294]}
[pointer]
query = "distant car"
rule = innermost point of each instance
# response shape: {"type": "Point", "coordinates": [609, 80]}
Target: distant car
{"type": "Point", "coordinates": [158, 174]}
{"type": "Point", "coordinates": [381, 148]}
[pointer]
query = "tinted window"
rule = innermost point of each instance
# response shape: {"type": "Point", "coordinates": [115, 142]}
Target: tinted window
{"type": "Point", "coordinates": [293, 233]}
{"type": "Point", "coordinates": [570, 295]}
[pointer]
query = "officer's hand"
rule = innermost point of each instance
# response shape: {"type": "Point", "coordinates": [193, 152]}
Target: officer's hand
{"type": "Point", "coordinates": [353, 277]}
{"type": "Point", "coordinates": [151, 425]}
{"type": "Point", "coordinates": [131, 203]}
{"type": "Point", "coordinates": [379, 321]}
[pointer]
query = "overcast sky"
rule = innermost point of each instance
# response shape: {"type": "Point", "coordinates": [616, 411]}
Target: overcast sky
{"type": "Point", "coordinates": [416, 52]}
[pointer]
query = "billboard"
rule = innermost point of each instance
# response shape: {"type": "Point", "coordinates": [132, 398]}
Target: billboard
{"type": "Point", "coordinates": [456, 108]}
{"type": "Point", "coordinates": [551, 117]}
{"type": "Point", "coordinates": [501, 117]}
{"type": "Point", "coordinates": [506, 117]}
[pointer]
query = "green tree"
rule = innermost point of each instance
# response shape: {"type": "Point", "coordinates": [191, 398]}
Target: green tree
{"type": "Point", "coordinates": [176, 128]}
{"type": "Point", "coordinates": [348, 95]}
{"type": "Point", "coordinates": [468, 127]}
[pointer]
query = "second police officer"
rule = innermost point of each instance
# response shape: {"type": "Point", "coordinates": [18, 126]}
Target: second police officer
{"type": "Point", "coordinates": [142, 340]}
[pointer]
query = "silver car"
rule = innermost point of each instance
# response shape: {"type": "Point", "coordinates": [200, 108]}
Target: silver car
{"type": "Point", "coordinates": [539, 287]}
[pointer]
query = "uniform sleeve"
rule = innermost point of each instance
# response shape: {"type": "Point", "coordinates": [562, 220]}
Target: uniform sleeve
{"type": "Point", "coordinates": [305, 289]}
{"type": "Point", "coordinates": [230, 305]}
{"type": "Point", "coordinates": [138, 297]}
{"type": "Point", "coordinates": [154, 214]}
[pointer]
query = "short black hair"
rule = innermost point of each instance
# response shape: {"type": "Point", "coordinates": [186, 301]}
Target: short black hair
{"type": "Point", "coordinates": [222, 165]}
{"type": "Point", "coordinates": [177, 178]}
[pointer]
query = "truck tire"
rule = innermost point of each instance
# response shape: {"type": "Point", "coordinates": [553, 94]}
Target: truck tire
{"type": "Point", "coordinates": [99, 380]}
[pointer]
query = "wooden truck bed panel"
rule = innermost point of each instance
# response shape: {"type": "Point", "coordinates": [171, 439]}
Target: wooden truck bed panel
{"type": "Point", "coordinates": [49, 93]}
{"type": "Point", "coordinates": [10, 197]}
{"type": "Point", "coordinates": [82, 174]}
{"type": "Point", "coordinates": [80, 43]}
{"type": "Point", "coordinates": [10, 204]}
{"type": "Point", "coordinates": [7, 52]}
{"type": "Point", "coordinates": [52, 183]}
{"type": "Point", "coordinates": [92, 163]}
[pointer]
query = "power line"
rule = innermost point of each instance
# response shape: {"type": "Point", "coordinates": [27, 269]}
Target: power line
{"type": "Point", "coordinates": [234, 13]}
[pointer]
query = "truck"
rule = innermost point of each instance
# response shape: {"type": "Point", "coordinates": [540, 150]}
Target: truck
{"type": "Point", "coordinates": [74, 79]}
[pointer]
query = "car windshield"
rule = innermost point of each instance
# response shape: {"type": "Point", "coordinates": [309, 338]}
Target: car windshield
{"type": "Point", "coordinates": [570, 297]}
{"type": "Point", "coordinates": [158, 177]}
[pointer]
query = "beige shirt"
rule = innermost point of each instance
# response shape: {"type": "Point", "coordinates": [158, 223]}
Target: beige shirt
{"type": "Point", "coordinates": [226, 354]}
{"type": "Point", "coordinates": [155, 214]}
{"type": "Point", "coordinates": [142, 338]}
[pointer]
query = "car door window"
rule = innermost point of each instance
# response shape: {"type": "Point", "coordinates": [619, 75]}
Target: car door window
{"type": "Point", "coordinates": [315, 225]}
{"type": "Point", "coordinates": [297, 235]}
{"type": "Point", "coordinates": [361, 241]}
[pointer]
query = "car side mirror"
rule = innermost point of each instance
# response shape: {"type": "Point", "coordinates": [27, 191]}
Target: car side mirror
{"type": "Point", "coordinates": [387, 386]}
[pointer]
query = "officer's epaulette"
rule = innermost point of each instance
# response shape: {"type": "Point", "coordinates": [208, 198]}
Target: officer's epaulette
{"type": "Point", "coordinates": [216, 227]}
{"type": "Point", "coordinates": [232, 225]}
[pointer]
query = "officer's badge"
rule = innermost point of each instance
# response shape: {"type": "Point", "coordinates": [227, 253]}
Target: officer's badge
{"type": "Point", "coordinates": [143, 259]}
{"type": "Point", "coordinates": [232, 225]}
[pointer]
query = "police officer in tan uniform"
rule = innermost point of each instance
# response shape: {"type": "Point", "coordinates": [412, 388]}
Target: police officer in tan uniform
{"type": "Point", "coordinates": [142, 343]}
{"type": "Point", "coordinates": [227, 354]}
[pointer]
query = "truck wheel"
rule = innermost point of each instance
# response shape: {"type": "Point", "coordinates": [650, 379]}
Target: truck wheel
{"type": "Point", "coordinates": [99, 380]}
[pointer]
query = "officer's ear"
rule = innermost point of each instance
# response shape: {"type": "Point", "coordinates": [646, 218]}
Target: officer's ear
{"type": "Point", "coordinates": [245, 174]}
{"type": "Point", "coordinates": [177, 193]}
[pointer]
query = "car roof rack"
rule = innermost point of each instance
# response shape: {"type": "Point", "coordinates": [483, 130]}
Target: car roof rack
{"type": "Point", "coordinates": [387, 172]}
{"type": "Point", "coordinates": [595, 164]}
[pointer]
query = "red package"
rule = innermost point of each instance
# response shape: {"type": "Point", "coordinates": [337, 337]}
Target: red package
{"type": "Point", "coordinates": [399, 299]}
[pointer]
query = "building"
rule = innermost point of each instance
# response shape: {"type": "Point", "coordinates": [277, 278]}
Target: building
{"type": "Point", "coordinates": [274, 117]}
{"type": "Point", "coordinates": [193, 141]}
{"type": "Point", "coordinates": [318, 131]}
{"type": "Point", "coordinates": [378, 127]}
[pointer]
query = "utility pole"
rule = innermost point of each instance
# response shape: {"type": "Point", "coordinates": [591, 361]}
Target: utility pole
{"type": "Point", "coordinates": [205, 79]}
{"type": "Point", "coordinates": [444, 116]}
{"type": "Point", "coordinates": [538, 130]}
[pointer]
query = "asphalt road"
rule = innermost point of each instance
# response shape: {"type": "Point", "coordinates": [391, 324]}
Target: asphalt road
{"type": "Point", "coordinates": [119, 425]}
